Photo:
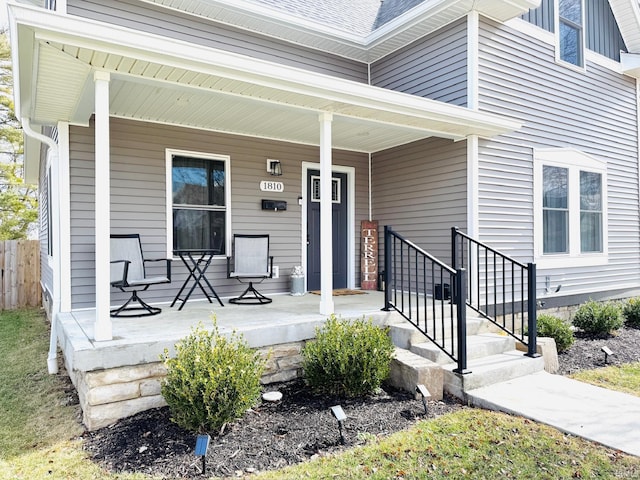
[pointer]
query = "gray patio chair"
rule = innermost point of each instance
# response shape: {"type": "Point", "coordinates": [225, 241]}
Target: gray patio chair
{"type": "Point", "coordinates": [250, 261]}
{"type": "Point", "coordinates": [128, 273]}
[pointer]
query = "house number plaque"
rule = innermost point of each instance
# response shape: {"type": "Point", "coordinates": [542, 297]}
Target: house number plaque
{"type": "Point", "coordinates": [369, 255]}
{"type": "Point", "coordinates": [269, 186]}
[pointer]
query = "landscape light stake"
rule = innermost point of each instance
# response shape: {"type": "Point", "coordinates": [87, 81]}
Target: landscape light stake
{"type": "Point", "coordinates": [607, 351]}
{"type": "Point", "coordinates": [339, 414]}
{"type": "Point", "coordinates": [424, 393]}
{"type": "Point", "coordinates": [202, 445]}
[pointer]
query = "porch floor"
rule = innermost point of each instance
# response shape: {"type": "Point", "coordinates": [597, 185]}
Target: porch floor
{"type": "Point", "coordinates": [141, 340]}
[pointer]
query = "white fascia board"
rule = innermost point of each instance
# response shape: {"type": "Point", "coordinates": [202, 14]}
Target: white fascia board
{"type": "Point", "coordinates": [630, 63]}
{"type": "Point", "coordinates": [31, 160]}
{"type": "Point", "coordinates": [118, 40]}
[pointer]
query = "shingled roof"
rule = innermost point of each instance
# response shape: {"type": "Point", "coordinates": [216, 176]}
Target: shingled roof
{"type": "Point", "coordinates": [360, 17]}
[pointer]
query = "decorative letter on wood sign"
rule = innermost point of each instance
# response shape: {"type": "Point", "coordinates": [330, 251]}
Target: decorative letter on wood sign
{"type": "Point", "coordinates": [369, 255]}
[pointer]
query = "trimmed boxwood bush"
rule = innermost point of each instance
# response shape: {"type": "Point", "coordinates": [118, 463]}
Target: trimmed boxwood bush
{"type": "Point", "coordinates": [212, 380]}
{"type": "Point", "coordinates": [556, 328]}
{"type": "Point", "coordinates": [347, 358]}
{"type": "Point", "coordinates": [631, 312]}
{"type": "Point", "coordinates": [598, 319]}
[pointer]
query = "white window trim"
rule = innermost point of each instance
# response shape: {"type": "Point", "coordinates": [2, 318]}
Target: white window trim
{"type": "Point", "coordinates": [548, 38]}
{"type": "Point", "coordinates": [574, 161]}
{"type": "Point", "coordinates": [49, 204]}
{"type": "Point", "coordinates": [169, 153]}
{"type": "Point", "coordinates": [583, 40]}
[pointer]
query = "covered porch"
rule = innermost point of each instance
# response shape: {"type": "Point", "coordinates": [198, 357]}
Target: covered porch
{"type": "Point", "coordinates": [88, 73]}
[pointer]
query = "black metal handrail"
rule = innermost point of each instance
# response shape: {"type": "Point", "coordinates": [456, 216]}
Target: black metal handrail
{"type": "Point", "coordinates": [417, 286]}
{"type": "Point", "coordinates": [498, 287]}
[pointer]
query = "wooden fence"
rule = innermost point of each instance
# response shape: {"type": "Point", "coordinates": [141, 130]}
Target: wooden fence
{"type": "Point", "coordinates": [20, 270]}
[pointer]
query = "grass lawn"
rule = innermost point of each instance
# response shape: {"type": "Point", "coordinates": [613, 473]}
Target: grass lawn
{"type": "Point", "coordinates": [624, 378]}
{"type": "Point", "coordinates": [39, 434]}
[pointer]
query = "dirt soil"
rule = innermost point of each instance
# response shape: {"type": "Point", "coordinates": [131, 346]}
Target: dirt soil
{"type": "Point", "coordinates": [297, 428]}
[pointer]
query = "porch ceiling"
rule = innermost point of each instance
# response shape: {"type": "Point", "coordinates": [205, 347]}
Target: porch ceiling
{"type": "Point", "coordinates": [166, 81]}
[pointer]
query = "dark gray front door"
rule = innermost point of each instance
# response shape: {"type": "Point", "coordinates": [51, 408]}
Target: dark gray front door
{"type": "Point", "coordinates": [340, 229]}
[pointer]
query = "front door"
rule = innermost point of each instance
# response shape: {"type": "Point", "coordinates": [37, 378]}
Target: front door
{"type": "Point", "coordinates": [340, 229]}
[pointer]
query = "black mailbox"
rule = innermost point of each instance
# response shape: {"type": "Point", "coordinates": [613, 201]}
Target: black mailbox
{"type": "Point", "coordinates": [275, 205]}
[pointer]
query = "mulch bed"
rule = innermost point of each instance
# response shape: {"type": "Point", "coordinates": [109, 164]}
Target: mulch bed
{"type": "Point", "coordinates": [297, 428]}
{"type": "Point", "coordinates": [270, 436]}
{"type": "Point", "coordinates": [586, 353]}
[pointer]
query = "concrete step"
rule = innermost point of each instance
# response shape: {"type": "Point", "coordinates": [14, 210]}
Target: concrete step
{"type": "Point", "coordinates": [490, 370]}
{"type": "Point", "coordinates": [403, 334]}
{"type": "Point", "coordinates": [409, 370]}
{"type": "Point", "coordinates": [478, 346]}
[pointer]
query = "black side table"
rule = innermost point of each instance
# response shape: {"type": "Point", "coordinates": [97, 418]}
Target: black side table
{"type": "Point", "coordinates": [197, 263]}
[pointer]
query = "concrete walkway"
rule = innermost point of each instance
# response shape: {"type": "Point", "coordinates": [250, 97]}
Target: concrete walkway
{"type": "Point", "coordinates": [604, 416]}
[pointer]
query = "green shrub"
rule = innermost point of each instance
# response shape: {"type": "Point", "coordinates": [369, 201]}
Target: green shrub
{"type": "Point", "coordinates": [599, 319]}
{"type": "Point", "coordinates": [556, 328]}
{"type": "Point", "coordinates": [631, 312]}
{"type": "Point", "coordinates": [347, 358]}
{"type": "Point", "coordinates": [212, 380]}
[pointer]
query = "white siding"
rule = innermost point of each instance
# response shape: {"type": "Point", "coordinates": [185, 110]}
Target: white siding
{"type": "Point", "coordinates": [593, 111]}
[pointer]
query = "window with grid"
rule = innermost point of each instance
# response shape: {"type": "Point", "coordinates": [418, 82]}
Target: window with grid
{"type": "Point", "coordinates": [570, 32]}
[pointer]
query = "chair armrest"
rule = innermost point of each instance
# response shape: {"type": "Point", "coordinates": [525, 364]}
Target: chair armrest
{"type": "Point", "coordinates": [168, 260]}
{"type": "Point", "coordinates": [125, 272]}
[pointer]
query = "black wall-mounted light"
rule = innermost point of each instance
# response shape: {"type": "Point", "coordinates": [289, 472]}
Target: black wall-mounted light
{"type": "Point", "coordinates": [274, 167]}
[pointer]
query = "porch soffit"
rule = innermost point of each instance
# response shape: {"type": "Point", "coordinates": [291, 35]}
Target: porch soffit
{"type": "Point", "coordinates": [366, 46]}
{"type": "Point", "coordinates": [160, 80]}
{"type": "Point", "coordinates": [627, 13]}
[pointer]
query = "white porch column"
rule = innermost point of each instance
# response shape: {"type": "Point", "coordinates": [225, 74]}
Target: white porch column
{"type": "Point", "coordinates": [102, 325]}
{"type": "Point", "coordinates": [326, 218]}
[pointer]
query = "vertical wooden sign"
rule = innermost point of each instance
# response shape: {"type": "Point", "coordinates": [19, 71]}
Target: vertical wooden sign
{"type": "Point", "coordinates": [369, 255]}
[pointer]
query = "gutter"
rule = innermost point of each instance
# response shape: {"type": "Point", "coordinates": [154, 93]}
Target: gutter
{"type": "Point", "coordinates": [52, 360]}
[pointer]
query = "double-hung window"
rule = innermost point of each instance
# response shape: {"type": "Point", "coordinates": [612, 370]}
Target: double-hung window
{"type": "Point", "coordinates": [570, 208]}
{"type": "Point", "coordinates": [198, 201]}
{"type": "Point", "coordinates": [570, 21]}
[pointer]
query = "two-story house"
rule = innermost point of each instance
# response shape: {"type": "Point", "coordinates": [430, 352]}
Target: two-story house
{"type": "Point", "coordinates": [516, 121]}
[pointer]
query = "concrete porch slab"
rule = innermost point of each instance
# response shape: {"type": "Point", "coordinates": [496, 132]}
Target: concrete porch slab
{"type": "Point", "coordinates": [141, 340]}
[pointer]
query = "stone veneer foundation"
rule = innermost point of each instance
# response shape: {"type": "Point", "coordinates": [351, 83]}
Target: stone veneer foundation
{"type": "Point", "coordinates": [109, 395]}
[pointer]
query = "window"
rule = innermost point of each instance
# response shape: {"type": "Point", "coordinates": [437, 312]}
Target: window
{"type": "Point", "coordinates": [45, 203]}
{"type": "Point", "coordinates": [315, 189]}
{"type": "Point", "coordinates": [570, 208]}
{"type": "Point", "coordinates": [590, 212]}
{"type": "Point", "coordinates": [570, 31]}
{"type": "Point", "coordinates": [555, 207]}
{"type": "Point", "coordinates": [198, 190]}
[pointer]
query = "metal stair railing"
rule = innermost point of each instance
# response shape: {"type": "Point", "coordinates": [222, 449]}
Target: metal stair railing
{"type": "Point", "coordinates": [499, 288]}
{"type": "Point", "coordinates": [418, 287]}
